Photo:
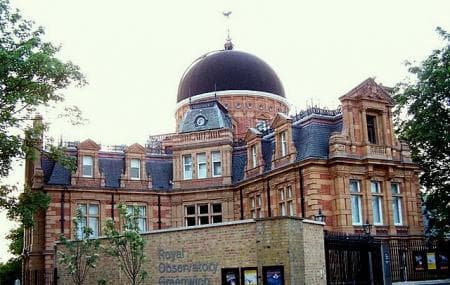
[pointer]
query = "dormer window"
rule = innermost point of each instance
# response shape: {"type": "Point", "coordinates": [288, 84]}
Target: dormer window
{"type": "Point", "coordinates": [88, 166]}
{"type": "Point", "coordinates": [135, 169]}
{"type": "Point", "coordinates": [254, 157]}
{"type": "Point", "coordinates": [283, 143]}
{"type": "Point", "coordinates": [371, 129]}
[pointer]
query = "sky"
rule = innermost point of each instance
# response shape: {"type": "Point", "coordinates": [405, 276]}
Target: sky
{"type": "Point", "coordinates": [134, 53]}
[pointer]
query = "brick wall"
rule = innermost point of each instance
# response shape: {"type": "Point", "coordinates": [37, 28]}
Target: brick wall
{"type": "Point", "coordinates": [201, 252]}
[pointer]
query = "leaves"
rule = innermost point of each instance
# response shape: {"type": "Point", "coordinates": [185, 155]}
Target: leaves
{"type": "Point", "coordinates": [31, 76]}
{"type": "Point", "coordinates": [423, 120]}
{"type": "Point", "coordinates": [81, 253]}
{"type": "Point", "coordinates": [127, 244]}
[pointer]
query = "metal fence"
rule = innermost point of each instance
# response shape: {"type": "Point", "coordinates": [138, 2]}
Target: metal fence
{"type": "Point", "coordinates": [415, 258]}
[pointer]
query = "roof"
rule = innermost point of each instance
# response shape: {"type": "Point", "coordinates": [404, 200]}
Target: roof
{"type": "Point", "coordinates": [205, 116]}
{"type": "Point", "coordinates": [228, 70]}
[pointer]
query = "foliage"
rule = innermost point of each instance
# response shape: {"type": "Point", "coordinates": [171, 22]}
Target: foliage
{"type": "Point", "coordinates": [31, 77]}
{"type": "Point", "coordinates": [16, 238]}
{"type": "Point", "coordinates": [10, 271]}
{"type": "Point", "coordinates": [423, 120]}
{"type": "Point", "coordinates": [127, 244]}
{"type": "Point", "coordinates": [81, 253]}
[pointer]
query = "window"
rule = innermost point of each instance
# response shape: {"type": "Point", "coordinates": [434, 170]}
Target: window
{"type": "Point", "coordinates": [285, 202]}
{"type": "Point", "coordinates": [255, 206]}
{"type": "Point", "coordinates": [216, 164]}
{"type": "Point", "coordinates": [254, 160]}
{"type": "Point", "coordinates": [88, 163]}
{"type": "Point", "coordinates": [187, 166]}
{"type": "Point", "coordinates": [89, 219]}
{"type": "Point", "coordinates": [371, 129]}
{"type": "Point", "coordinates": [135, 169]}
{"type": "Point", "coordinates": [140, 215]}
{"type": "Point", "coordinates": [377, 202]}
{"type": "Point", "coordinates": [201, 165]}
{"type": "Point", "coordinates": [355, 195]}
{"type": "Point", "coordinates": [203, 214]}
{"type": "Point", "coordinates": [283, 143]}
{"type": "Point", "coordinates": [396, 204]}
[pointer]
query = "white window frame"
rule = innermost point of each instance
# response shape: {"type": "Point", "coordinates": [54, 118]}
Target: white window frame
{"type": "Point", "coordinates": [85, 163]}
{"type": "Point", "coordinates": [214, 161]}
{"type": "Point", "coordinates": [377, 202]}
{"type": "Point", "coordinates": [283, 143]}
{"type": "Point", "coordinates": [254, 156]}
{"type": "Point", "coordinates": [201, 163]}
{"type": "Point", "coordinates": [87, 219]}
{"type": "Point", "coordinates": [255, 206]}
{"type": "Point", "coordinates": [142, 218]}
{"type": "Point", "coordinates": [187, 174]}
{"type": "Point", "coordinates": [286, 205]}
{"type": "Point", "coordinates": [356, 196]}
{"type": "Point", "coordinates": [134, 161]}
{"type": "Point", "coordinates": [197, 216]}
{"type": "Point", "coordinates": [397, 203]}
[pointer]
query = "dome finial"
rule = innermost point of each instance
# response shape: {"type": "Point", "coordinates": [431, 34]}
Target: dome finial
{"type": "Point", "coordinates": [228, 44]}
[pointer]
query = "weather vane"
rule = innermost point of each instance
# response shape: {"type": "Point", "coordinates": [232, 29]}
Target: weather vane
{"type": "Point", "coordinates": [228, 43]}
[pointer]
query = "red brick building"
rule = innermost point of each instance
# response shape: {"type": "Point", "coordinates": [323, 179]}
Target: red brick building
{"type": "Point", "coordinates": [237, 154]}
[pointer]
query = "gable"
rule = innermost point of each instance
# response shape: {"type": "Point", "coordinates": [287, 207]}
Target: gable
{"type": "Point", "coordinates": [369, 90]}
{"type": "Point", "coordinates": [280, 119]}
{"type": "Point", "coordinates": [135, 148]}
{"type": "Point", "coordinates": [89, 145]}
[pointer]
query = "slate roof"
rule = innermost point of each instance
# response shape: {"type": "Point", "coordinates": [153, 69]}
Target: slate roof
{"type": "Point", "coordinates": [215, 115]}
{"type": "Point", "coordinates": [239, 160]}
{"type": "Point", "coordinates": [311, 140]}
{"type": "Point", "coordinates": [267, 149]}
{"type": "Point", "coordinates": [112, 168]}
{"type": "Point", "coordinates": [161, 172]}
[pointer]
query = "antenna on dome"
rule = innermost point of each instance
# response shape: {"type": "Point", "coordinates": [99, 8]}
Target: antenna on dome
{"type": "Point", "coordinates": [215, 91]}
{"type": "Point", "coordinates": [228, 44]}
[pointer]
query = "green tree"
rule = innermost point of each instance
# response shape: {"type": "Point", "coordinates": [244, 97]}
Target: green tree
{"type": "Point", "coordinates": [81, 253]}
{"type": "Point", "coordinates": [31, 78]}
{"type": "Point", "coordinates": [12, 269]}
{"type": "Point", "coordinates": [423, 120]}
{"type": "Point", "coordinates": [127, 244]}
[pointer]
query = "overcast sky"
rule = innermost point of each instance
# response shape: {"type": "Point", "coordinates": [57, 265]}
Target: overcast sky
{"type": "Point", "coordinates": [134, 52]}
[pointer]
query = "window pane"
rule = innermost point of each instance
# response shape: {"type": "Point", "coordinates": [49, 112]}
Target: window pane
{"type": "Point", "coordinates": [87, 166]}
{"type": "Point", "coordinates": [201, 165]}
{"type": "Point", "coordinates": [283, 209]}
{"type": "Point", "coordinates": [354, 186]}
{"type": "Point", "coordinates": [283, 143]}
{"type": "Point", "coordinates": [82, 208]}
{"type": "Point", "coordinates": [377, 214]}
{"type": "Point", "coordinates": [259, 200]}
{"type": "Point", "coordinates": [217, 219]}
{"type": "Point", "coordinates": [141, 225]}
{"type": "Point", "coordinates": [204, 220]}
{"type": "Point", "coordinates": [356, 209]}
{"type": "Point", "coordinates": [395, 188]}
{"type": "Point", "coordinates": [290, 208]}
{"type": "Point", "coordinates": [217, 208]}
{"type": "Point", "coordinates": [93, 210]}
{"type": "Point", "coordinates": [217, 168]}
{"type": "Point", "coordinates": [190, 221]}
{"type": "Point", "coordinates": [203, 209]}
{"type": "Point", "coordinates": [187, 163]}
{"type": "Point", "coordinates": [252, 202]}
{"type": "Point", "coordinates": [135, 168]}
{"type": "Point", "coordinates": [397, 210]}
{"type": "Point", "coordinates": [375, 187]}
{"type": "Point", "coordinates": [371, 129]}
{"type": "Point", "coordinates": [93, 224]}
{"type": "Point", "coordinates": [282, 195]}
{"type": "Point", "coordinates": [190, 210]}
{"type": "Point", "coordinates": [289, 192]}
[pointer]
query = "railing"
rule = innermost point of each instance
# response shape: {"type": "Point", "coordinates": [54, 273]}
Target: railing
{"type": "Point", "coordinates": [201, 136]}
{"type": "Point", "coordinates": [378, 151]}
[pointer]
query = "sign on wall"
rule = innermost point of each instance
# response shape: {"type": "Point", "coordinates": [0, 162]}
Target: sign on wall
{"type": "Point", "coordinates": [273, 275]}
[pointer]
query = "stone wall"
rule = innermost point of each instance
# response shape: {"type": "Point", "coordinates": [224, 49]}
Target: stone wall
{"type": "Point", "coordinates": [198, 254]}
